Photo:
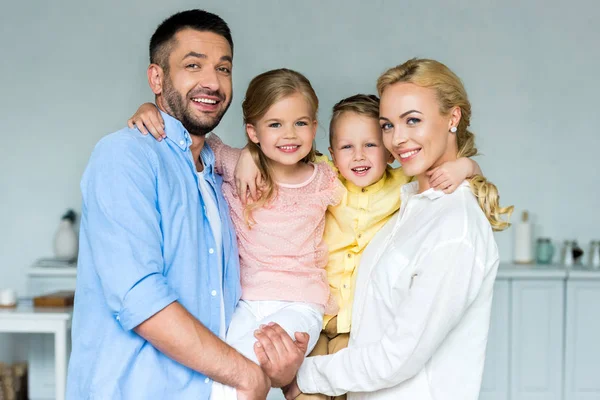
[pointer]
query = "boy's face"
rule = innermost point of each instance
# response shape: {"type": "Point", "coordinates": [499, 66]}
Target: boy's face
{"type": "Point", "coordinates": [357, 149]}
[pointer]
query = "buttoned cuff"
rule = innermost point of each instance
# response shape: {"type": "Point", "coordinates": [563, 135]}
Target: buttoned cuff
{"type": "Point", "coordinates": [146, 298]}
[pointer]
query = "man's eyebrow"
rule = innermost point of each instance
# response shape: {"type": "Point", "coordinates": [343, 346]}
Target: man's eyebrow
{"type": "Point", "coordinates": [194, 54]}
{"type": "Point", "coordinates": [201, 55]}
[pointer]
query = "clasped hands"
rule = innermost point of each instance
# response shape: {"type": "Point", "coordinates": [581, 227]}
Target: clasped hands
{"type": "Point", "coordinates": [280, 357]}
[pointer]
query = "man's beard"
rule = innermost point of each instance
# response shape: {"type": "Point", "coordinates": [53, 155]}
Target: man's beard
{"type": "Point", "coordinates": [177, 105]}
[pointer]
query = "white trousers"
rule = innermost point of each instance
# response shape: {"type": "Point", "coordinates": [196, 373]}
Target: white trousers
{"type": "Point", "coordinates": [249, 315]}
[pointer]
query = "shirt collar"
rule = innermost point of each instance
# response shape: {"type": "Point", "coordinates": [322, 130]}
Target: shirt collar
{"type": "Point", "coordinates": [372, 188]}
{"type": "Point", "coordinates": [176, 132]}
{"type": "Point", "coordinates": [412, 188]}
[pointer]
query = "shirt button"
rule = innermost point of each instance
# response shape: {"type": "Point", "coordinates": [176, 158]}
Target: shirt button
{"type": "Point", "coordinates": [349, 255]}
{"type": "Point", "coordinates": [214, 293]}
{"type": "Point", "coordinates": [118, 318]}
{"type": "Point", "coordinates": [359, 235]}
{"type": "Point", "coordinates": [364, 190]}
{"type": "Point", "coordinates": [345, 286]}
{"type": "Point", "coordinates": [182, 142]}
{"type": "Point", "coordinates": [211, 250]}
{"type": "Point", "coordinates": [206, 380]}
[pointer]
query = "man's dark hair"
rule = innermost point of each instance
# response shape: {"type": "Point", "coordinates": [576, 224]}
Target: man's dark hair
{"type": "Point", "coordinates": [200, 20]}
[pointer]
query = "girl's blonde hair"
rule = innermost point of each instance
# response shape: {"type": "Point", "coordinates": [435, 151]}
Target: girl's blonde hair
{"type": "Point", "coordinates": [366, 105]}
{"type": "Point", "coordinates": [451, 93]}
{"type": "Point", "coordinates": [263, 92]}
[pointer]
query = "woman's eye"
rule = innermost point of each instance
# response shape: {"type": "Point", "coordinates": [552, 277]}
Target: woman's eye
{"type": "Point", "coordinates": [274, 125]}
{"type": "Point", "coordinates": [386, 126]}
{"type": "Point", "coordinates": [412, 121]}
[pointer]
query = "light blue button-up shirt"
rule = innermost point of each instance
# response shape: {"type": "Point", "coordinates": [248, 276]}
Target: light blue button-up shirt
{"type": "Point", "coordinates": [146, 242]}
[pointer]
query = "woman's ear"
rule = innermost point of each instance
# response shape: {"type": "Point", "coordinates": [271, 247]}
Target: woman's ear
{"type": "Point", "coordinates": [391, 158]}
{"type": "Point", "coordinates": [251, 132]}
{"type": "Point", "coordinates": [155, 78]}
{"type": "Point", "coordinates": [455, 115]}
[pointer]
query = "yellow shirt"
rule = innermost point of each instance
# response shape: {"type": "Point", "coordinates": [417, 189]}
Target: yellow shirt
{"type": "Point", "coordinates": [349, 227]}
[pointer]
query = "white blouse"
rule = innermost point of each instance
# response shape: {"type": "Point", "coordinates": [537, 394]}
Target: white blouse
{"type": "Point", "coordinates": [422, 306]}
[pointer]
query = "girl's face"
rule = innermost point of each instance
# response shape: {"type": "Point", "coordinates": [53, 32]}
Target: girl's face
{"type": "Point", "coordinates": [415, 131]}
{"type": "Point", "coordinates": [287, 130]}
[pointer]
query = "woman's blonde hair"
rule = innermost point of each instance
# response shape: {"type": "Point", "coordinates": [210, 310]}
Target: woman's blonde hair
{"type": "Point", "coordinates": [263, 92]}
{"type": "Point", "coordinates": [362, 104]}
{"type": "Point", "coordinates": [451, 93]}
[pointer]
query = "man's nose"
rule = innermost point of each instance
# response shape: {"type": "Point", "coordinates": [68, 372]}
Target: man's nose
{"type": "Point", "coordinates": [210, 80]}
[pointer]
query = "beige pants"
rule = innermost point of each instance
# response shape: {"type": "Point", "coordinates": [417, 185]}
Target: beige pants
{"type": "Point", "coordinates": [329, 342]}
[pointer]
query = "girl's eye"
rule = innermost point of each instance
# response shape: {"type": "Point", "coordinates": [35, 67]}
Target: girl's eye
{"type": "Point", "coordinates": [412, 121]}
{"type": "Point", "coordinates": [370, 145]}
{"type": "Point", "coordinates": [274, 125]}
{"type": "Point", "coordinates": [386, 126]}
{"type": "Point", "coordinates": [301, 123]}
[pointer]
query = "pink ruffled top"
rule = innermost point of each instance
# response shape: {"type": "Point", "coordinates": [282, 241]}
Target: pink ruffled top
{"type": "Point", "coordinates": [283, 255]}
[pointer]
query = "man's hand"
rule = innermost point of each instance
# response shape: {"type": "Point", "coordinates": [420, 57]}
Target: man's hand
{"type": "Point", "coordinates": [279, 356]}
{"type": "Point", "coordinates": [255, 387]}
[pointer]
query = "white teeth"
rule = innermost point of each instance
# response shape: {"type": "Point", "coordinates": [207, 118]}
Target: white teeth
{"type": "Point", "coordinates": [288, 147]}
{"type": "Point", "coordinates": [360, 169]}
{"type": "Point", "coordinates": [408, 154]}
{"type": "Point", "coordinates": [206, 101]}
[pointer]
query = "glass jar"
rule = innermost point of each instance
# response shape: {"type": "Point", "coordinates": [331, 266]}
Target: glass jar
{"type": "Point", "coordinates": [544, 251]}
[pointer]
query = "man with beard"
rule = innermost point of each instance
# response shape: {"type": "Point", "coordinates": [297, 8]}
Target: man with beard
{"type": "Point", "coordinates": [158, 273]}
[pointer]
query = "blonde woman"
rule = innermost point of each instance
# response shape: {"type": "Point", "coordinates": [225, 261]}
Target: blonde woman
{"type": "Point", "coordinates": [424, 288]}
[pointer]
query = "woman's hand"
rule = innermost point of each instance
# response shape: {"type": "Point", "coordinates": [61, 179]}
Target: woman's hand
{"type": "Point", "coordinates": [148, 118]}
{"type": "Point", "coordinates": [248, 179]}
{"type": "Point", "coordinates": [292, 390]}
{"type": "Point", "coordinates": [448, 176]}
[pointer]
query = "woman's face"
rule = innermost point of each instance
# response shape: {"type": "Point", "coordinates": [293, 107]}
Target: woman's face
{"type": "Point", "coordinates": [414, 130]}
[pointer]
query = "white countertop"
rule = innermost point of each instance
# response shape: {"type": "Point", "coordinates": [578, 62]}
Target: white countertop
{"type": "Point", "coordinates": [552, 271]}
{"type": "Point", "coordinates": [26, 310]}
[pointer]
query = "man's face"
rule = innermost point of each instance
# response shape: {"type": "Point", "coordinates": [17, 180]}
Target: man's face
{"type": "Point", "coordinates": [197, 88]}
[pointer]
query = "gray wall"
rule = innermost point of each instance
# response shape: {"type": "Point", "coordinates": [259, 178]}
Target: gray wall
{"type": "Point", "coordinates": [73, 71]}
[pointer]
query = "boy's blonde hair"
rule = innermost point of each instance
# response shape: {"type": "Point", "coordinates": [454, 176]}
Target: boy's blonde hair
{"type": "Point", "coordinates": [451, 93]}
{"type": "Point", "coordinates": [263, 92]}
{"type": "Point", "coordinates": [361, 104]}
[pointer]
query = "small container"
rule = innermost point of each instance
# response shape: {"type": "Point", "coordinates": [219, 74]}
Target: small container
{"type": "Point", "coordinates": [544, 251]}
{"type": "Point", "coordinates": [594, 259]}
{"type": "Point", "coordinates": [567, 253]}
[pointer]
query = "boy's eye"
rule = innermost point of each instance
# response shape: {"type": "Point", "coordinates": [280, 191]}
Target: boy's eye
{"type": "Point", "coordinates": [386, 126]}
{"type": "Point", "coordinates": [412, 121]}
{"type": "Point", "coordinates": [346, 146]}
{"type": "Point", "coordinates": [274, 125]}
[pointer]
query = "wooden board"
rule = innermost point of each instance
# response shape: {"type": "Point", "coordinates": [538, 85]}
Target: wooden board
{"type": "Point", "coordinates": [63, 298]}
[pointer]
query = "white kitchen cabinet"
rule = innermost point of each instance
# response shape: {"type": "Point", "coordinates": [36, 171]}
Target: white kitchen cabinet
{"type": "Point", "coordinates": [582, 346]}
{"type": "Point", "coordinates": [43, 280]}
{"type": "Point", "coordinates": [537, 319]}
{"type": "Point", "coordinates": [495, 384]}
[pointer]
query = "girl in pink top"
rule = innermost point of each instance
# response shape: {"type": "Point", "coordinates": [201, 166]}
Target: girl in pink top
{"type": "Point", "coordinates": [280, 236]}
